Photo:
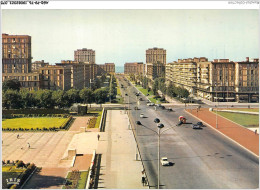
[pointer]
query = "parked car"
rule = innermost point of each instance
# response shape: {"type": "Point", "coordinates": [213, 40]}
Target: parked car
{"type": "Point", "coordinates": [142, 115]}
{"type": "Point", "coordinates": [195, 126]}
{"type": "Point", "coordinates": [140, 99]}
{"type": "Point", "coordinates": [138, 123]}
{"type": "Point", "coordinates": [200, 124]}
{"type": "Point", "coordinates": [163, 107]}
{"type": "Point", "coordinates": [169, 109]}
{"type": "Point", "coordinates": [150, 104]}
{"type": "Point", "coordinates": [164, 161]}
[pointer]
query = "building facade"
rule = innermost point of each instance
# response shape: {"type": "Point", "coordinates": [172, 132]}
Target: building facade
{"type": "Point", "coordinates": [29, 81]}
{"type": "Point", "coordinates": [38, 64]}
{"type": "Point", "coordinates": [155, 55]}
{"type": "Point", "coordinates": [55, 77]}
{"type": "Point", "coordinates": [217, 80]}
{"type": "Point", "coordinates": [77, 73]}
{"type": "Point", "coordinates": [16, 53]}
{"type": "Point", "coordinates": [84, 55]}
{"type": "Point", "coordinates": [136, 68]}
{"type": "Point", "coordinates": [155, 70]}
{"type": "Point", "coordinates": [155, 63]}
{"type": "Point", "coordinates": [106, 68]}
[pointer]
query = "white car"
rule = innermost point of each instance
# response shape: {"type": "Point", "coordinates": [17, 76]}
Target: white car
{"type": "Point", "coordinates": [164, 161]}
{"type": "Point", "coordinates": [150, 104]}
{"type": "Point", "coordinates": [142, 115]}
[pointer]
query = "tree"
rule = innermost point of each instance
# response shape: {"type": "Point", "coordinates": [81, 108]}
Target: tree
{"type": "Point", "coordinates": [73, 96]}
{"type": "Point", "coordinates": [28, 99]}
{"type": "Point", "coordinates": [58, 99]}
{"type": "Point", "coordinates": [100, 95]}
{"type": "Point", "coordinates": [12, 99]}
{"type": "Point", "coordinates": [13, 84]}
{"type": "Point", "coordinates": [86, 95]}
{"type": "Point", "coordinates": [44, 99]}
{"type": "Point", "coordinates": [171, 90]}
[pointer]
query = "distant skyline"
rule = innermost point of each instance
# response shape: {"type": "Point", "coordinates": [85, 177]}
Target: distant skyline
{"type": "Point", "coordinates": [121, 36]}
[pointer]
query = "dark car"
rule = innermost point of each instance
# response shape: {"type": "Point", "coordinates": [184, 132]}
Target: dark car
{"type": "Point", "coordinates": [195, 126]}
{"type": "Point", "coordinates": [200, 124]}
{"type": "Point", "coordinates": [163, 107]}
{"type": "Point", "coordinates": [140, 99]}
{"type": "Point", "coordinates": [169, 109]}
{"type": "Point", "coordinates": [138, 123]}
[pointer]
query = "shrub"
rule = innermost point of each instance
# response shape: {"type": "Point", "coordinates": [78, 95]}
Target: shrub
{"type": "Point", "coordinates": [20, 164]}
{"type": "Point", "coordinates": [8, 162]}
{"type": "Point", "coordinates": [31, 167]}
{"type": "Point", "coordinates": [3, 162]}
{"type": "Point", "coordinates": [32, 129]}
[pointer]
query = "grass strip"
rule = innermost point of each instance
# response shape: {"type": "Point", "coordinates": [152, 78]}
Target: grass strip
{"type": "Point", "coordinates": [245, 120]}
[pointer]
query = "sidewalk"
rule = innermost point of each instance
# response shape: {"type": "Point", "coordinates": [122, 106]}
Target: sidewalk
{"type": "Point", "coordinates": [118, 169]}
{"type": "Point", "coordinates": [241, 135]}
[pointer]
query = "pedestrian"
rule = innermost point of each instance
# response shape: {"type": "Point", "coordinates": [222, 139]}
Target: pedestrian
{"type": "Point", "coordinates": [18, 136]}
{"type": "Point", "coordinates": [143, 181]}
{"type": "Point", "coordinates": [98, 136]}
{"type": "Point", "coordinates": [255, 131]}
{"type": "Point", "coordinates": [28, 145]}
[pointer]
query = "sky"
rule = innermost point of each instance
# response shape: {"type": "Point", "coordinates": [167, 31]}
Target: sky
{"type": "Point", "coordinates": [121, 36]}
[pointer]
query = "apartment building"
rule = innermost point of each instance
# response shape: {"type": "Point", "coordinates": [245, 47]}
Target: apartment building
{"type": "Point", "coordinates": [77, 73]}
{"type": "Point", "coordinates": [106, 68]}
{"type": "Point", "coordinates": [16, 53]}
{"type": "Point", "coordinates": [38, 64]}
{"type": "Point", "coordinates": [84, 55]}
{"type": "Point", "coordinates": [56, 77]}
{"type": "Point", "coordinates": [225, 80]}
{"type": "Point", "coordinates": [247, 80]}
{"type": "Point", "coordinates": [155, 55]}
{"type": "Point", "coordinates": [29, 81]}
{"type": "Point", "coordinates": [155, 63]}
{"type": "Point", "coordinates": [136, 68]}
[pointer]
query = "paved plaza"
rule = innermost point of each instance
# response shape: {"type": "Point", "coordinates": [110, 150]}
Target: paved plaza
{"type": "Point", "coordinates": [49, 150]}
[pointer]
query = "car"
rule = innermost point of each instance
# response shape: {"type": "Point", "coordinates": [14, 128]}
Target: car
{"type": "Point", "coordinates": [159, 105]}
{"type": "Point", "coordinates": [142, 115]}
{"type": "Point", "coordinates": [164, 161]}
{"type": "Point", "coordinates": [163, 107]}
{"type": "Point", "coordinates": [150, 104]}
{"type": "Point", "coordinates": [140, 99]}
{"type": "Point", "coordinates": [169, 109]}
{"type": "Point", "coordinates": [138, 123]}
{"type": "Point", "coordinates": [147, 101]}
{"type": "Point", "coordinates": [200, 124]}
{"type": "Point", "coordinates": [136, 108]}
{"type": "Point", "coordinates": [195, 126]}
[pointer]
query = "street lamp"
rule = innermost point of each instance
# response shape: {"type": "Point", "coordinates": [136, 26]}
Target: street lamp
{"type": "Point", "coordinates": [216, 106]}
{"type": "Point", "coordinates": [160, 126]}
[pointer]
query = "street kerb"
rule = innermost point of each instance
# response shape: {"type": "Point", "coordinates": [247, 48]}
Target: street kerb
{"type": "Point", "coordinates": [224, 134]}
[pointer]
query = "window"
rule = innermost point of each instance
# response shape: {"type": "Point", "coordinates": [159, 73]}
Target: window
{"type": "Point", "coordinates": [252, 72]}
{"type": "Point", "coordinates": [35, 77]}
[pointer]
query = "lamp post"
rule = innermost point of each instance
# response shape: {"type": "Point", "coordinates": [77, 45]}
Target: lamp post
{"type": "Point", "coordinates": [160, 126]}
{"type": "Point", "coordinates": [216, 106]}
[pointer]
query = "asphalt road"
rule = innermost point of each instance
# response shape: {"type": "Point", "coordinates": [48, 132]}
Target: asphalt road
{"type": "Point", "coordinates": [202, 159]}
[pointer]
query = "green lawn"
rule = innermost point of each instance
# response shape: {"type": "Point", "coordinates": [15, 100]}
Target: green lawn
{"type": "Point", "coordinates": [34, 123]}
{"type": "Point", "coordinates": [145, 91]}
{"type": "Point", "coordinates": [245, 120]}
{"type": "Point", "coordinates": [246, 109]}
{"type": "Point", "coordinates": [12, 169]}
